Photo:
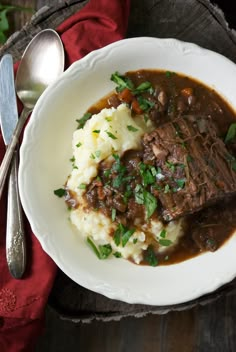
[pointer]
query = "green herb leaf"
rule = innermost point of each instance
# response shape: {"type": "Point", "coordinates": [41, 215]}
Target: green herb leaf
{"type": "Point", "coordinates": [96, 131]}
{"type": "Point", "coordinates": [82, 186]}
{"type": "Point", "coordinates": [150, 257]}
{"type": "Point", "coordinates": [145, 104]}
{"type": "Point", "coordinates": [150, 203]}
{"type": "Point", "coordinates": [97, 153]}
{"type": "Point", "coordinates": [111, 135]}
{"type": "Point", "coordinates": [107, 173]}
{"type": "Point", "coordinates": [126, 236]}
{"type": "Point", "coordinates": [117, 255]}
{"type": "Point", "coordinates": [78, 145]}
{"type": "Point", "coordinates": [113, 214]}
{"type": "Point", "coordinates": [60, 192]}
{"type": "Point", "coordinates": [105, 251]}
{"type": "Point", "coordinates": [94, 247]}
{"type": "Point", "coordinates": [122, 81]}
{"type": "Point", "coordinates": [163, 233]}
{"type": "Point", "coordinates": [143, 87]}
{"type": "Point", "coordinates": [102, 251]}
{"type": "Point", "coordinates": [139, 197]}
{"type": "Point", "coordinates": [231, 134]}
{"type": "Point", "coordinates": [122, 235]}
{"type": "Point", "coordinates": [165, 242]}
{"type": "Point", "coordinates": [83, 120]}
{"type": "Point", "coordinates": [167, 189]}
{"type": "Point", "coordinates": [132, 128]}
{"type": "Point", "coordinates": [171, 166]}
{"type": "Point", "coordinates": [147, 176]}
{"type": "Point", "coordinates": [117, 181]}
{"type": "Point", "coordinates": [169, 74]}
{"type": "Point", "coordinates": [180, 183]}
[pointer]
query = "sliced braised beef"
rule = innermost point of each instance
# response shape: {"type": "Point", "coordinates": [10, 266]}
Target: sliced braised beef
{"type": "Point", "coordinates": [194, 166]}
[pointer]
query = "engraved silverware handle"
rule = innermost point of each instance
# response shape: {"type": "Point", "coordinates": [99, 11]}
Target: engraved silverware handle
{"type": "Point", "coordinates": [15, 236]}
{"type": "Point", "coordinates": [6, 162]}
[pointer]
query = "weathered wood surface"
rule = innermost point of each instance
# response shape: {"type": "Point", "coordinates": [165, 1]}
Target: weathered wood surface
{"type": "Point", "coordinates": [196, 21]}
{"type": "Point", "coordinates": [209, 322]}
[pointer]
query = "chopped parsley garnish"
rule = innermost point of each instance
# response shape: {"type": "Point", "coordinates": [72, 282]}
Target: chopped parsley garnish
{"type": "Point", "coordinates": [147, 174]}
{"type": "Point", "coordinates": [97, 153]}
{"type": "Point", "coordinates": [144, 197]}
{"type": "Point", "coordinates": [180, 183]}
{"type": "Point", "coordinates": [171, 166]}
{"type": "Point", "coordinates": [117, 255]}
{"type": "Point", "coordinates": [167, 189]}
{"type": "Point", "coordinates": [150, 203]}
{"type": "Point", "coordinates": [150, 257]}
{"type": "Point", "coordinates": [78, 145]}
{"type": "Point", "coordinates": [121, 81]}
{"type": "Point", "coordinates": [113, 214]}
{"type": "Point", "coordinates": [105, 250]}
{"type": "Point", "coordinates": [96, 131]}
{"type": "Point", "coordinates": [117, 181]}
{"type": "Point", "coordinates": [60, 192]}
{"type": "Point", "coordinates": [122, 235]}
{"type": "Point", "coordinates": [132, 128]}
{"type": "Point", "coordinates": [169, 74]}
{"type": "Point", "coordinates": [163, 233]}
{"type": "Point", "coordinates": [107, 172]}
{"type": "Point", "coordinates": [143, 87]}
{"type": "Point", "coordinates": [145, 104]}
{"type": "Point", "coordinates": [82, 186]}
{"type": "Point", "coordinates": [231, 134]}
{"type": "Point", "coordinates": [102, 251]}
{"type": "Point", "coordinates": [165, 242]}
{"type": "Point", "coordinates": [111, 135]}
{"type": "Point", "coordinates": [83, 120]}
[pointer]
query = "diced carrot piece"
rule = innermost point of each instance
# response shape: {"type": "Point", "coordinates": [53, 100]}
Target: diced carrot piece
{"type": "Point", "coordinates": [136, 107]}
{"type": "Point", "coordinates": [101, 194]}
{"type": "Point", "coordinates": [187, 92]}
{"type": "Point", "coordinates": [125, 95]}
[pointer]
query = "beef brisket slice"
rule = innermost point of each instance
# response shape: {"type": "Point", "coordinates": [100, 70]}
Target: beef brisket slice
{"type": "Point", "coordinates": [194, 168]}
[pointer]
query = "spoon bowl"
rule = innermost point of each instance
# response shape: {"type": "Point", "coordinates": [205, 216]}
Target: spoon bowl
{"type": "Point", "coordinates": [41, 64]}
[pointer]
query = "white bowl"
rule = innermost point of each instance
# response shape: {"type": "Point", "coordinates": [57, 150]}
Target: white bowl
{"type": "Point", "coordinates": [44, 167]}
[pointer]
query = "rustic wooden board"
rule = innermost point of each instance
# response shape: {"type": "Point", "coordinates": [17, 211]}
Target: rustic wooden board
{"type": "Point", "coordinates": [196, 21]}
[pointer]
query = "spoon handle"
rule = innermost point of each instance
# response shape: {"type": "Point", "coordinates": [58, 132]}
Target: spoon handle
{"type": "Point", "coordinates": [15, 236]}
{"type": "Point", "coordinates": [6, 162]}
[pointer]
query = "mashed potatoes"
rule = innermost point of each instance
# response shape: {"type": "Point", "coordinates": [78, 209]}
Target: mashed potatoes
{"type": "Point", "coordinates": [104, 134]}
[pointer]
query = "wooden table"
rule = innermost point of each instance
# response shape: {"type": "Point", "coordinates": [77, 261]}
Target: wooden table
{"type": "Point", "coordinates": [208, 324]}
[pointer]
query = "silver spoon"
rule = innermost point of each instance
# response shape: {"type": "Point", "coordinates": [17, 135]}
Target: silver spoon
{"type": "Point", "coordinates": [42, 62]}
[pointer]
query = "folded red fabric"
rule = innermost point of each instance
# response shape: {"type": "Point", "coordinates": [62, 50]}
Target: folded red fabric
{"type": "Point", "coordinates": [22, 302]}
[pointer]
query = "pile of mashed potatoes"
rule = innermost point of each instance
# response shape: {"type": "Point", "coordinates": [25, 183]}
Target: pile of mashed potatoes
{"type": "Point", "coordinates": [89, 149]}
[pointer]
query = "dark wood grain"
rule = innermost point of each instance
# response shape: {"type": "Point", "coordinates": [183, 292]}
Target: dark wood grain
{"type": "Point", "coordinates": [205, 325]}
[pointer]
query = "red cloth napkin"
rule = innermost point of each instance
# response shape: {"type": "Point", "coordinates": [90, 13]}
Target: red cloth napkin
{"type": "Point", "coordinates": [22, 302]}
